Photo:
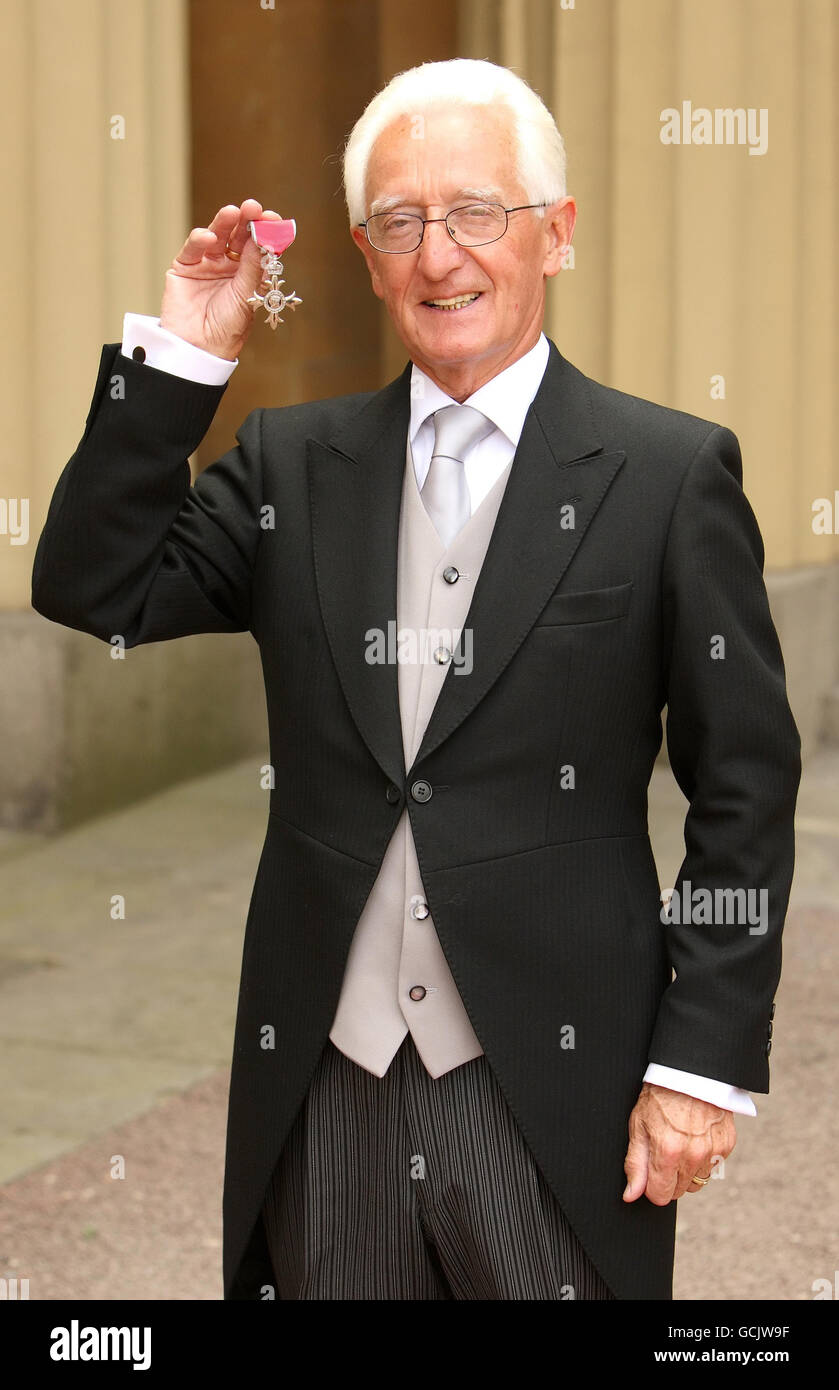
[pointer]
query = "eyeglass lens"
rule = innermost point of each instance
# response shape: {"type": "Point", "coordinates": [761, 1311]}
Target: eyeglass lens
{"type": "Point", "coordinates": [472, 225]}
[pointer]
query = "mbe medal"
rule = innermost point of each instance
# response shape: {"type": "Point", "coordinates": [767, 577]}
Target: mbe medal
{"type": "Point", "coordinates": [272, 238]}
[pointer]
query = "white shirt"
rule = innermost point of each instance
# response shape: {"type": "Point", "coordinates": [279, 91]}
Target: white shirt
{"type": "Point", "coordinates": [505, 400]}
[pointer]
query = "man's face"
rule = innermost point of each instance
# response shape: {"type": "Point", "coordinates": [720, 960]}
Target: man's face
{"type": "Point", "coordinates": [464, 154]}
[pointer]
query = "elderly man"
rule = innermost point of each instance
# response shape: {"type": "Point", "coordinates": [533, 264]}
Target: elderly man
{"type": "Point", "coordinates": [473, 1058]}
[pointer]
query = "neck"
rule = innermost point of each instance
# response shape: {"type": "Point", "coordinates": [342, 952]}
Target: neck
{"type": "Point", "coordinates": [462, 380]}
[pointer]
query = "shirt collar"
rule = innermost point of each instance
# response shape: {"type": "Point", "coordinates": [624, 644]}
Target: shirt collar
{"type": "Point", "coordinates": [505, 399]}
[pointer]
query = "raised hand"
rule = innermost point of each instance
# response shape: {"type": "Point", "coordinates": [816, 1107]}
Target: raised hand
{"type": "Point", "coordinates": [206, 292]}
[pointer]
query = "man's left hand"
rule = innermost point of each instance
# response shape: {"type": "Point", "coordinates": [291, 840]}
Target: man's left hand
{"type": "Point", "coordinates": [672, 1138]}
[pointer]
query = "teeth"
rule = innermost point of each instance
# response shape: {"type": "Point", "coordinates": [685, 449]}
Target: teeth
{"type": "Point", "coordinates": [457, 303]}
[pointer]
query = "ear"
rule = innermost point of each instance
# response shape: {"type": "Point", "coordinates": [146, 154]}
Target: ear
{"type": "Point", "coordinates": [359, 236]}
{"type": "Point", "coordinates": [559, 220]}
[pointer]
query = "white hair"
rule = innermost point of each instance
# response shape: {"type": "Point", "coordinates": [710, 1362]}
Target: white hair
{"type": "Point", "coordinates": [540, 163]}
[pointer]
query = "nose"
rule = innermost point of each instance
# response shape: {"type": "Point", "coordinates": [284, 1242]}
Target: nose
{"type": "Point", "coordinates": [438, 251]}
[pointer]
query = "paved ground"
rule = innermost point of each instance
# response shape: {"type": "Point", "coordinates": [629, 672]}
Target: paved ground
{"type": "Point", "coordinates": [117, 1032]}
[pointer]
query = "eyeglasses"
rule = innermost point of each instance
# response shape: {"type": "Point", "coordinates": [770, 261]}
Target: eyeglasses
{"type": "Point", "coordinates": [475, 224]}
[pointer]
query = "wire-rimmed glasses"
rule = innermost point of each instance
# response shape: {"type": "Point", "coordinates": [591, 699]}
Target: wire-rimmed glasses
{"type": "Point", "coordinates": [473, 224]}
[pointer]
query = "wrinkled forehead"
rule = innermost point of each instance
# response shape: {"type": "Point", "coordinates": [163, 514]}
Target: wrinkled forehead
{"type": "Point", "coordinates": [443, 154]}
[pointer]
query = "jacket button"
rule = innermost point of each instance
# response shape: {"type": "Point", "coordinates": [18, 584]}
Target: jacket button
{"type": "Point", "coordinates": [769, 1031]}
{"type": "Point", "coordinates": [772, 1011]}
{"type": "Point", "coordinates": [768, 1047]}
{"type": "Point", "coordinates": [416, 992]}
{"type": "Point", "coordinates": [421, 791]}
{"type": "Point", "coordinates": [392, 793]}
{"type": "Point", "coordinates": [450, 574]}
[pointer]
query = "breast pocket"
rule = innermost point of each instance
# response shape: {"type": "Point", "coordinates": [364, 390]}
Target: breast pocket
{"type": "Point", "coordinates": [587, 606]}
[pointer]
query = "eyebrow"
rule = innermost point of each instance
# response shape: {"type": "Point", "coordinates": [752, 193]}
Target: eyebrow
{"type": "Point", "coordinates": [399, 200]}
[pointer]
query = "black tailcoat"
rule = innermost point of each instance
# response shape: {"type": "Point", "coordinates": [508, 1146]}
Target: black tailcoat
{"type": "Point", "coordinates": [623, 551]}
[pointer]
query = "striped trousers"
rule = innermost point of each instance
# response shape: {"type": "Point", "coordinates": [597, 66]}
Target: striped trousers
{"type": "Point", "coordinates": [407, 1187]}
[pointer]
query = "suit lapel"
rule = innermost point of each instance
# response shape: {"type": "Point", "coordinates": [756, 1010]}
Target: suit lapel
{"type": "Point", "coordinates": [355, 488]}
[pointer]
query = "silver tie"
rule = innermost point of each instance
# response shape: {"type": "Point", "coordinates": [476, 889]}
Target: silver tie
{"type": "Point", "coordinates": [445, 492]}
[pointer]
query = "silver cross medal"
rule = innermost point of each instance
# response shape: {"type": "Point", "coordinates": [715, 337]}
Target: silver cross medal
{"type": "Point", "coordinates": [272, 238]}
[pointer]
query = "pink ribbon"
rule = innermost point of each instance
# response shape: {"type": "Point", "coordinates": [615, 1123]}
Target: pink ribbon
{"type": "Point", "coordinates": [274, 235]}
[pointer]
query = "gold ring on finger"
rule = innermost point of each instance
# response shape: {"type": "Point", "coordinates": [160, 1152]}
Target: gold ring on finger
{"type": "Point", "coordinates": [232, 255]}
{"type": "Point", "coordinates": [701, 1181]}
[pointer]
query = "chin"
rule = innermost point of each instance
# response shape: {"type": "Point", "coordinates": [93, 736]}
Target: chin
{"type": "Point", "coordinates": [453, 346]}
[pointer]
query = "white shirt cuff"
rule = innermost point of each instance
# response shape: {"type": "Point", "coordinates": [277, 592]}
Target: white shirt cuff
{"type": "Point", "coordinates": [169, 353]}
{"type": "Point", "coordinates": [703, 1087]}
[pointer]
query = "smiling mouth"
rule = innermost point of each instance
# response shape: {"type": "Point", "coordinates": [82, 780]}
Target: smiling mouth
{"type": "Point", "coordinates": [458, 302]}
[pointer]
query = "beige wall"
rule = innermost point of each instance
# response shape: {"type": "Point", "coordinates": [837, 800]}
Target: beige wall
{"type": "Point", "coordinates": [90, 220]}
{"type": "Point", "coordinates": [697, 260]}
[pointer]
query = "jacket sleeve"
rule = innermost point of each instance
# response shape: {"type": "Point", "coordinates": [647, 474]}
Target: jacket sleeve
{"type": "Point", "coordinates": [735, 751]}
{"type": "Point", "coordinates": [130, 548]}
